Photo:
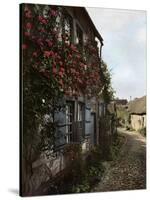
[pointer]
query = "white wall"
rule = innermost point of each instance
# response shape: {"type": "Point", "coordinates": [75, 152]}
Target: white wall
{"type": "Point", "coordinates": [138, 122]}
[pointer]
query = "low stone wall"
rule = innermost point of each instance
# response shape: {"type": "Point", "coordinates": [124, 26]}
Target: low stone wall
{"type": "Point", "coordinates": [46, 168]}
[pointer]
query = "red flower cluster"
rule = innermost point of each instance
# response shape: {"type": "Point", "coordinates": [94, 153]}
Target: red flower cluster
{"type": "Point", "coordinates": [42, 20]}
{"type": "Point", "coordinates": [35, 54]}
{"type": "Point", "coordinates": [27, 34]}
{"type": "Point", "coordinates": [53, 13]}
{"type": "Point", "coordinates": [73, 47]}
{"type": "Point", "coordinates": [61, 72]}
{"type": "Point", "coordinates": [54, 70]}
{"type": "Point", "coordinates": [29, 26]}
{"type": "Point", "coordinates": [49, 54]}
{"type": "Point", "coordinates": [49, 42]}
{"type": "Point", "coordinates": [24, 46]}
{"type": "Point", "coordinates": [28, 13]}
{"type": "Point", "coordinates": [64, 60]}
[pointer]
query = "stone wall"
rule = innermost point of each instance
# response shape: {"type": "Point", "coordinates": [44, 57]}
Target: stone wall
{"type": "Point", "coordinates": [47, 168]}
{"type": "Point", "coordinates": [138, 121]}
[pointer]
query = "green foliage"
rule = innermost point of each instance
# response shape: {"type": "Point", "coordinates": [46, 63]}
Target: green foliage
{"type": "Point", "coordinates": [115, 147]}
{"type": "Point", "coordinates": [82, 174]}
{"type": "Point", "coordinates": [83, 187]}
{"type": "Point", "coordinates": [90, 170]}
{"type": "Point", "coordinates": [108, 92]}
{"type": "Point", "coordinates": [123, 117]}
{"type": "Point", "coordinates": [41, 91]}
{"type": "Point", "coordinates": [40, 98]}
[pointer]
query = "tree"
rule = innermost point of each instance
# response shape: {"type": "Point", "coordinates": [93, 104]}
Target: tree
{"type": "Point", "coordinates": [108, 91]}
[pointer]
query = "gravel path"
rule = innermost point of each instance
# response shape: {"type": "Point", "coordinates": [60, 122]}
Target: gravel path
{"type": "Point", "coordinates": [128, 172]}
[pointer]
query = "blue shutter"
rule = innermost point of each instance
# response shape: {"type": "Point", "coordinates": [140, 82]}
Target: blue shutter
{"type": "Point", "coordinates": [87, 120]}
{"type": "Point", "coordinates": [60, 120]}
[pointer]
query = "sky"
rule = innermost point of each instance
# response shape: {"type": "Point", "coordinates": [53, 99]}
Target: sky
{"type": "Point", "coordinates": [124, 50]}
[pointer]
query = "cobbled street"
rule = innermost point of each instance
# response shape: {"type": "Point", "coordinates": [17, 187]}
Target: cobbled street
{"type": "Point", "coordinates": [128, 172]}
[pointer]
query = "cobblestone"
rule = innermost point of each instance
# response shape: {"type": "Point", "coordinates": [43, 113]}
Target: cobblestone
{"type": "Point", "coordinates": [128, 172]}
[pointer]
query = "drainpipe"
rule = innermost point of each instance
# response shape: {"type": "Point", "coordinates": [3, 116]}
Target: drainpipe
{"type": "Point", "coordinates": [98, 122]}
{"type": "Point", "coordinates": [101, 53]}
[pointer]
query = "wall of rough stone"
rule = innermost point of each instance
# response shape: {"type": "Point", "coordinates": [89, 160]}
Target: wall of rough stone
{"type": "Point", "coordinates": [46, 168]}
{"type": "Point", "coordinates": [138, 121]}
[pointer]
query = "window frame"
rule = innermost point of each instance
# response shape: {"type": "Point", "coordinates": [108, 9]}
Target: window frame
{"type": "Point", "coordinates": [67, 16]}
{"type": "Point", "coordinates": [78, 27]}
{"type": "Point", "coordinates": [81, 123]}
{"type": "Point", "coordinates": [69, 122]}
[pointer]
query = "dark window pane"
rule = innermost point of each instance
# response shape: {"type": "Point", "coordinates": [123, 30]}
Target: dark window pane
{"type": "Point", "coordinates": [79, 36]}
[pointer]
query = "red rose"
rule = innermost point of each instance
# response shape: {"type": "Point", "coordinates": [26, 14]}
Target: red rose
{"type": "Point", "coordinates": [48, 53]}
{"type": "Point", "coordinates": [24, 46]}
{"type": "Point", "coordinates": [62, 69]}
{"type": "Point", "coordinates": [73, 48]}
{"type": "Point", "coordinates": [53, 13]}
{"type": "Point", "coordinates": [40, 42]}
{"type": "Point", "coordinates": [35, 54]}
{"type": "Point", "coordinates": [42, 20]}
{"type": "Point", "coordinates": [27, 34]}
{"type": "Point", "coordinates": [49, 43]}
{"type": "Point", "coordinates": [29, 25]}
{"type": "Point", "coordinates": [42, 30]}
{"type": "Point", "coordinates": [61, 74]}
{"type": "Point", "coordinates": [28, 14]}
{"type": "Point", "coordinates": [54, 70]}
{"type": "Point", "coordinates": [70, 56]}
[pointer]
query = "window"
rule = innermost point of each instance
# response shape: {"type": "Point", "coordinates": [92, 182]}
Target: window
{"type": "Point", "coordinates": [80, 117]}
{"type": "Point", "coordinates": [68, 28]}
{"type": "Point", "coordinates": [80, 112]}
{"type": "Point", "coordinates": [79, 39]}
{"type": "Point", "coordinates": [69, 121]}
{"type": "Point", "coordinates": [59, 26]}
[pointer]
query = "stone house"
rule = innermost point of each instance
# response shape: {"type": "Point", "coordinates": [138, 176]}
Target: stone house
{"type": "Point", "coordinates": [137, 110]}
{"type": "Point", "coordinates": [121, 101]}
{"type": "Point", "coordinates": [78, 122]}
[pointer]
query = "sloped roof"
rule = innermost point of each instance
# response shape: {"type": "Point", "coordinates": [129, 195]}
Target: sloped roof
{"type": "Point", "coordinates": [121, 101]}
{"type": "Point", "coordinates": [94, 27]}
{"type": "Point", "coordinates": [137, 106]}
{"type": "Point", "coordinates": [91, 23]}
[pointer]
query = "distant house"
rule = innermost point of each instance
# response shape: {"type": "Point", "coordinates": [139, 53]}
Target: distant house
{"type": "Point", "coordinates": [121, 101]}
{"type": "Point", "coordinates": [137, 110]}
{"type": "Point", "coordinates": [122, 113]}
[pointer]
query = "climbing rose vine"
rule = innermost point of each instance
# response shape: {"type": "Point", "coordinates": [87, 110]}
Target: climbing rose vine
{"type": "Point", "coordinates": [47, 45]}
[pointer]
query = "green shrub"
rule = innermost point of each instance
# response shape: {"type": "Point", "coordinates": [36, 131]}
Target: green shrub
{"type": "Point", "coordinates": [115, 147]}
{"type": "Point", "coordinates": [83, 187]}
